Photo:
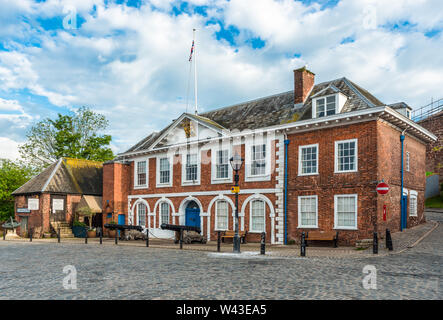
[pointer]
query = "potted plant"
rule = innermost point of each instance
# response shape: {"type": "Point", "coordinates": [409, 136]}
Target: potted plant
{"type": "Point", "coordinates": [79, 229]}
{"type": "Point", "coordinates": [87, 212]}
{"type": "Point", "coordinates": [111, 232]}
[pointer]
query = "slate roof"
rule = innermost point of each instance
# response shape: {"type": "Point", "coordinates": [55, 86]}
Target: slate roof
{"type": "Point", "coordinates": [67, 176]}
{"type": "Point", "coordinates": [399, 105]}
{"type": "Point", "coordinates": [275, 109]}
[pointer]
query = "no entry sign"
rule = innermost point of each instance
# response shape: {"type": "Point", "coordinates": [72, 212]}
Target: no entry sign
{"type": "Point", "coordinates": [382, 188]}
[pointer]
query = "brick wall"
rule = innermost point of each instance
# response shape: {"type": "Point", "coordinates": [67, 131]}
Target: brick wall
{"type": "Point", "coordinates": [327, 183]}
{"type": "Point", "coordinates": [434, 158]}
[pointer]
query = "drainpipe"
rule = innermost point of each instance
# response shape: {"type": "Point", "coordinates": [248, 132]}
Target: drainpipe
{"type": "Point", "coordinates": [286, 188]}
{"type": "Point", "coordinates": [402, 218]}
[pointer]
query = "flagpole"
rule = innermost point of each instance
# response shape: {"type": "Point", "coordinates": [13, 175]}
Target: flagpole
{"type": "Point", "coordinates": [195, 72]}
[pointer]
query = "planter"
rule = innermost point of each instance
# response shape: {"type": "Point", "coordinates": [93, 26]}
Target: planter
{"type": "Point", "coordinates": [79, 232]}
{"type": "Point", "coordinates": [91, 234]}
{"type": "Point", "coordinates": [111, 233]}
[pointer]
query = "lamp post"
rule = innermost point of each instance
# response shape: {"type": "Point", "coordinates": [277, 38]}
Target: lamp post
{"type": "Point", "coordinates": [236, 164]}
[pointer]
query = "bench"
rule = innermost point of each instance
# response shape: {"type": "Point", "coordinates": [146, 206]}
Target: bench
{"type": "Point", "coordinates": [231, 234]}
{"type": "Point", "coordinates": [322, 236]}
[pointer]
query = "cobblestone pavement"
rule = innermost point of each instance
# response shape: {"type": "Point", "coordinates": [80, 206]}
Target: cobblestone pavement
{"type": "Point", "coordinates": [35, 271]}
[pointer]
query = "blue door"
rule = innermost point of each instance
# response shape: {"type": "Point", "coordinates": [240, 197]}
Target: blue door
{"type": "Point", "coordinates": [121, 220]}
{"type": "Point", "coordinates": [193, 217]}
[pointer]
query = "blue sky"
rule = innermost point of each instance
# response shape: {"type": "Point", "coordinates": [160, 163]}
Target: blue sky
{"type": "Point", "coordinates": [129, 59]}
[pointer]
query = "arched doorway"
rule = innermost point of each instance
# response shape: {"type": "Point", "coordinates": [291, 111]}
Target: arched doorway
{"type": "Point", "coordinates": [192, 214]}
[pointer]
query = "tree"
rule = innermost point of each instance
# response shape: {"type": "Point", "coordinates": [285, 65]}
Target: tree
{"type": "Point", "coordinates": [12, 176]}
{"type": "Point", "coordinates": [75, 135]}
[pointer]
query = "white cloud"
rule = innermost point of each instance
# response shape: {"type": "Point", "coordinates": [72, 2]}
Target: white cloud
{"type": "Point", "coordinates": [9, 149]}
{"type": "Point", "coordinates": [131, 63]}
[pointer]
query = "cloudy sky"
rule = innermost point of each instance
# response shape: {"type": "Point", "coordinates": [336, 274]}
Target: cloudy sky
{"type": "Point", "coordinates": [129, 59]}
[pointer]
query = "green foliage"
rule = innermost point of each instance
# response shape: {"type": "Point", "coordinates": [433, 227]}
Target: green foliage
{"type": "Point", "coordinates": [86, 211]}
{"type": "Point", "coordinates": [434, 202]}
{"type": "Point", "coordinates": [12, 176]}
{"type": "Point", "coordinates": [74, 136]}
{"type": "Point", "coordinates": [77, 223]}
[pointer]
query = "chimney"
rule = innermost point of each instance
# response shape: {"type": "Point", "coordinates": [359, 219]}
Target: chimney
{"type": "Point", "coordinates": [303, 83]}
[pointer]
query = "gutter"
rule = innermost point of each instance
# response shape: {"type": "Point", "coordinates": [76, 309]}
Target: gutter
{"type": "Point", "coordinates": [286, 188]}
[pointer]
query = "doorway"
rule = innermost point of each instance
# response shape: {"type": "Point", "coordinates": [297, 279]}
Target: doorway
{"type": "Point", "coordinates": [192, 214]}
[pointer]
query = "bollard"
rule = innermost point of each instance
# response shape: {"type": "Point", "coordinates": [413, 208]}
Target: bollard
{"type": "Point", "coordinates": [147, 238]}
{"type": "Point", "coordinates": [263, 243]}
{"type": "Point", "coordinates": [218, 241]}
{"type": "Point", "coordinates": [30, 235]}
{"type": "Point", "coordinates": [389, 240]}
{"type": "Point", "coordinates": [181, 239]}
{"type": "Point", "coordinates": [101, 236]}
{"type": "Point", "coordinates": [4, 234]}
{"type": "Point", "coordinates": [303, 245]}
{"type": "Point", "coordinates": [86, 237]}
{"type": "Point", "coordinates": [116, 235]}
{"type": "Point", "coordinates": [375, 244]}
{"type": "Point", "coordinates": [58, 235]}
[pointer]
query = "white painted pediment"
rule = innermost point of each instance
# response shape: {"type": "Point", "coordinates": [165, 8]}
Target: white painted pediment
{"type": "Point", "coordinates": [186, 129]}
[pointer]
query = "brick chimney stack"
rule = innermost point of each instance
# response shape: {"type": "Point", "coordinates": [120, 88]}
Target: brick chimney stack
{"type": "Point", "coordinates": [303, 83]}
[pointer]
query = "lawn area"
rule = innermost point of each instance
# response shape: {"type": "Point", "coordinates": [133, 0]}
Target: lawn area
{"type": "Point", "coordinates": [434, 202]}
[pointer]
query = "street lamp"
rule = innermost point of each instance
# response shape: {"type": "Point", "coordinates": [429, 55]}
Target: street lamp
{"type": "Point", "coordinates": [236, 164]}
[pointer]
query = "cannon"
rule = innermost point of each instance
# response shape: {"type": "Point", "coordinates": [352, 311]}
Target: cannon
{"type": "Point", "coordinates": [179, 229]}
{"type": "Point", "coordinates": [122, 228]}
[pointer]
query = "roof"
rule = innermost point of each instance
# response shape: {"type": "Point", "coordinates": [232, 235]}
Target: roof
{"type": "Point", "coordinates": [272, 110]}
{"type": "Point", "coordinates": [92, 202]}
{"type": "Point", "coordinates": [67, 176]}
{"type": "Point", "coordinates": [399, 105]}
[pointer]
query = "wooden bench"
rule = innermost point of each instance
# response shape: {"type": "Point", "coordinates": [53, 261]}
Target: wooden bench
{"type": "Point", "coordinates": [231, 234]}
{"type": "Point", "coordinates": [322, 236]}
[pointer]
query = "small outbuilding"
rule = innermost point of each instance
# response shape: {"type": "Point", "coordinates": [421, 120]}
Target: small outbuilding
{"type": "Point", "coordinates": [49, 200]}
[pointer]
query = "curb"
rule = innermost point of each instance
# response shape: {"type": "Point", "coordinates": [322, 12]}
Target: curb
{"type": "Point", "coordinates": [421, 238]}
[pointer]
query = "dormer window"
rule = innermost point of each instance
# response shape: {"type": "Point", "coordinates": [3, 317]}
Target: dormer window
{"type": "Point", "coordinates": [325, 106]}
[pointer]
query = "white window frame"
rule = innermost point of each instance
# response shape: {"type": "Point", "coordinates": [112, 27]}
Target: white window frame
{"type": "Point", "coordinates": [355, 227]}
{"type": "Point", "coordinates": [216, 228]}
{"type": "Point", "coordinates": [171, 166]}
{"type": "Point", "coordinates": [314, 105]}
{"type": "Point", "coordinates": [214, 179]}
{"type": "Point", "coordinates": [413, 211]}
{"type": "Point", "coordinates": [249, 143]}
{"type": "Point", "coordinates": [300, 225]}
{"type": "Point", "coordinates": [160, 220]}
{"type": "Point", "coordinates": [136, 185]}
{"type": "Point", "coordinates": [138, 214]}
{"type": "Point", "coordinates": [300, 168]}
{"type": "Point", "coordinates": [250, 216]}
{"type": "Point", "coordinates": [336, 166]}
{"type": "Point", "coordinates": [408, 160]}
{"type": "Point", "coordinates": [191, 182]}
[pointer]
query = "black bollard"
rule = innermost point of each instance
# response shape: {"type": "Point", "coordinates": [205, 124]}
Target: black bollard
{"type": "Point", "coordinates": [147, 238]}
{"type": "Point", "coordinates": [375, 244]}
{"type": "Point", "coordinates": [58, 235]}
{"type": "Point", "coordinates": [181, 239]}
{"type": "Point", "coordinates": [86, 237]}
{"type": "Point", "coordinates": [4, 234]}
{"type": "Point", "coordinates": [303, 245]}
{"type": "Point", "coordinates": [116, 236]}
{"type": "Point", "coordinates": [389, 240]}
{"type": "Point", "coordinates": [263, 243]}
{"type": "Point", "coordinates": [101, 236]}
{"type": "Point", "coordinates": [30, 235]}
{"type": "Point", "coordinates": [218, 241]}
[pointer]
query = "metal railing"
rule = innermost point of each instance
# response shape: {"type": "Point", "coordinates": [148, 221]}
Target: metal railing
{"type": "Point", "coordinates": [428, 110]}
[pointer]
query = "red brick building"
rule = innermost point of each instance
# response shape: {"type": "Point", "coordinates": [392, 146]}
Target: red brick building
{"type": "Point", "coordinates": [49, 200]}
{"type": "Point", "coordinates": [339, 141]}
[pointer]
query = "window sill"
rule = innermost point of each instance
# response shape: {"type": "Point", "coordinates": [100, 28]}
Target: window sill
{"type": "Point", "coordinates": [141, 187]}
{"type": "Point", "coordinates": [346, 229]}
{"type": "Point", "coordinates": [259, 232]}
{"type": "Point", "coordinates": [221, 181]}
{"type": "Point", "coordinates": [163, 185]}
{"type": "Point", "coordinates": [307, 174]}
{"type": "Point", "coordinates": [349, 171]}
{"type": "Point", "coordinates": [307, 227]}
{"type": "Point", "coordinates": [265, 177]}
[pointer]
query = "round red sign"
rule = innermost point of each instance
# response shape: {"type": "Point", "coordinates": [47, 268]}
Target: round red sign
{"type": "Point", "coordinates": [382, 188]}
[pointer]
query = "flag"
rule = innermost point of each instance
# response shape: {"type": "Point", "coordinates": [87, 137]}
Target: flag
{"type": "Point", "coordinates": [192, 51]}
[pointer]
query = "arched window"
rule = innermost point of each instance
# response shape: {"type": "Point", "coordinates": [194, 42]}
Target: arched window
{"type": "Point", "coordinates": [221, 211]}
{"type": "Point", "coordinates": [257, 216]}
{"type": "Point", "coordinates": [164, 213]}
{"type": "Point", "coordinates": [141, 214]}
